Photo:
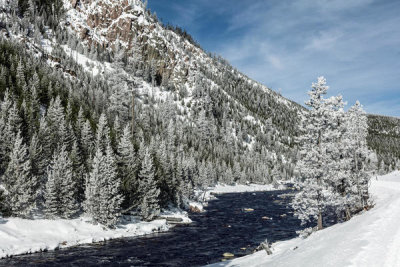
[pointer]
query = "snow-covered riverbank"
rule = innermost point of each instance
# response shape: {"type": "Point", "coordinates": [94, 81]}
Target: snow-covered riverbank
{"type": "Point", "coordinates": [20, 236]}
{"type": "Point", "coordinates": [239, 188]}
{"type": "Point", "coordinates": [369, 239]}
{"type": "Point", "coordinates": [224, 189]}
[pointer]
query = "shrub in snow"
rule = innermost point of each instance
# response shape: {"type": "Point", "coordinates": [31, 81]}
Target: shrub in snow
{"type": "Point", "coordinates": [4, 207]}
{"type": "Point", "coordinates": [306, 232]}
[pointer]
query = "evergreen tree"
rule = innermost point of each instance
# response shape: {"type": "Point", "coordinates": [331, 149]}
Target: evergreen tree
{"type": "Point", "coordinates": [150, 207]}
{"type": "Point", "coordinates": [103, 199]}
{"type": "Point", "coordinates": [110, 197]}
{"type": "Point", "coordinates": [87, 139]}
{"type": "Point", "coordinates": [61, 189]}
{"type": "Point", "coordinates": [358, 130]}
{"type": "Point", "coordinates": [4, 206]}
{"type": "Point", "coordinates": [311, 200]}
{"type": "Point", "coordinates": [127, 166]}
{"type": "Point", "coordinates": [51, 195]}
{"type": "Point", "coordinates": [56, 123]}
{"type": "Point", "coordinates": [78, 167]}
{"type": "Point", "coordinates": [92, 190]}
{"type": "Point", "coordinates": [18, 180]}
{"type": "Point", "coordinates": [103, 133]}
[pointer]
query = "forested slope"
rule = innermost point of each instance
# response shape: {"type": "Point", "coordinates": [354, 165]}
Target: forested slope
{"type": "Point", "coordinates": [68, 73]}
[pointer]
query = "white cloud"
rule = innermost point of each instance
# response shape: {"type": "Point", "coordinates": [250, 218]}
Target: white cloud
{"type": "Point", "coordinates": [275, 61]}
{"type": "Point", "coordinates": [324, 40]}
{"type": "Point", "coordinates": [288, 44]}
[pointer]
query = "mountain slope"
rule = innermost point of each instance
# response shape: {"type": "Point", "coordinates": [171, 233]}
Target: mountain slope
{"type": "Point", "coordinates": [384, 139]}
{"type": "Point", "coordinates": [175, 65]}
{"type": "Point", "coordinates": [201, 120]}
{"type": "Point", "coordinates": [194, 120]}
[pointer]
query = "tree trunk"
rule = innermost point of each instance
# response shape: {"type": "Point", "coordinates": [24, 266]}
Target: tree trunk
{"type": "Point", "coordinates": [133, 112]}
{"type": "Point", "coordinates": [204, 196]}
{"type": "Point", "coordinates": [320, 221]}
{"type": "Point", "coordinates": [348, 215]}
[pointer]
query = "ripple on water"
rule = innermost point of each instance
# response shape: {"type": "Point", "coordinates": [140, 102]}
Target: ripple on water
{"type": "Point", "coordinates": [224, 227]}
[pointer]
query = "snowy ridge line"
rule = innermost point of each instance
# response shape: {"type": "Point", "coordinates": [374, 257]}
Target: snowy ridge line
{"type": "Point", "coordinates": [370, 239]}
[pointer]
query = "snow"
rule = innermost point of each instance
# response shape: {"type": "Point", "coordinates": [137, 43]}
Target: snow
{"type": "Point", "coordinates": [369, 239]}
{"type": "Point", "coordinates": [85, 61]}
{"type": "Point", "coordinates": [239, 188]}
{"type": "Point", "coordinates": [196, 205]}
{"type": "Point", "coordinates": [176, 214]}
{"type": "Point", "coordinates": [21, 236]}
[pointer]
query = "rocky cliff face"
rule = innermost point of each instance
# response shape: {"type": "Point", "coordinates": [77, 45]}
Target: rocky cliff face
{"type": "Point", "coordinates": [127, 22]}
{"type": "Point", "coordinates": [104, 22]}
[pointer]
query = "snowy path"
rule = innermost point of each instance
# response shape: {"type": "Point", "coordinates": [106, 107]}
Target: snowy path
{"type": "Point", "coordinates": [370, 239]}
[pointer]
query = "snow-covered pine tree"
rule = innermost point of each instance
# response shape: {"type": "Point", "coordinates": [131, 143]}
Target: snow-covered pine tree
{"type": "Point", "coordinates": [127, 167]}
{"type": "Point", "coordinates": [92, 189]}
{"type": "Point", "coordinates": [37, 158]}
{"type": "Point", "coordinates": [150, 207]}
{"type": "Point", "coordinates": [202, 179]}
{"type": "Point", "coordinates": [10, 125]}
{"type": "Point", "coordinates": [203, 127]}
{"type": "Point", "coordinates": [68, 185]}
{"type": "Point", "coordinates": [179, 183]}
{"type": "Point", "coordinates": [13, 118]}
{"type": "Point", "coordinates": [60, 195]}
{"type": "Point", "coordinates": [103, 133]}
{"type": "Point", "coordinates": [44, 138]}
{"type": "Point", "coordinates": [56, 123]}
{"type": "Point", "coordinates": [358, 130]}
{"type": "Point", "coordinates": [87, 139]}
{"type": "Point", "coordinates": [102, 194]}
{"type": "Point", "coordinates": [117, 129]}
{"type": "Point", "coordinates": [120, 101]}
{"type": "Point", "coordinates": [51, 195]}
{"type": "Point", "coordinates": [18, 180]}
{"type": "Point", "coordinates": [34, 110]}
{"type": "Point", "coordinates": [4, 206]}
{"type": "Point", "coordinates": [80, 121]}
{"type": "Point", "coordinates": [339, 160]}
{"type": "Point", "coordinates": [78, 167]}
{"type": "Point", "coordinates": [110, 197]}
{"type": "Point", "coordinates": [312, 197]}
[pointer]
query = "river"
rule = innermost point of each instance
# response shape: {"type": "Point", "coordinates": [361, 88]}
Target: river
{"type": "Point", "coordinates": [225, 226]}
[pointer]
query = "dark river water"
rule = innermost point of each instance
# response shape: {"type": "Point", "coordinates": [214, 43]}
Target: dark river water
{"type": "Point", "coordinates": [223, 227]}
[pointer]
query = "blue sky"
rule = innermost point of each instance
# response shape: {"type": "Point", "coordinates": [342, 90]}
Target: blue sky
{"type": "Point", "coordinates": [287, 44]}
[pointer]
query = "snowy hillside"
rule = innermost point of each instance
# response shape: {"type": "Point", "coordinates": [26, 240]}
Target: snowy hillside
{"type": "Point", "coordinates": [180, 63]}
{"type": "Point", "coordinates": [96, 92]}
{"type": "Point", "coordinates": [369, 239]}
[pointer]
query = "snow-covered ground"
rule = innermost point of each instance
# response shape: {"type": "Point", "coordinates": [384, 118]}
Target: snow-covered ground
{"type": "Point", "coordinates": [223, 189]}
{"type": "Point", "coordinates": [239, 188]}
{"type": "Point", "coordinates": [20, 236]}
{"type": "Point", "coordinates": [370, 239]}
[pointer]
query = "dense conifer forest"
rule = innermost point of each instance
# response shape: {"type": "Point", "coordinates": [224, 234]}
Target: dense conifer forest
{"type": "Point", "coordinates": [135, 128]}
